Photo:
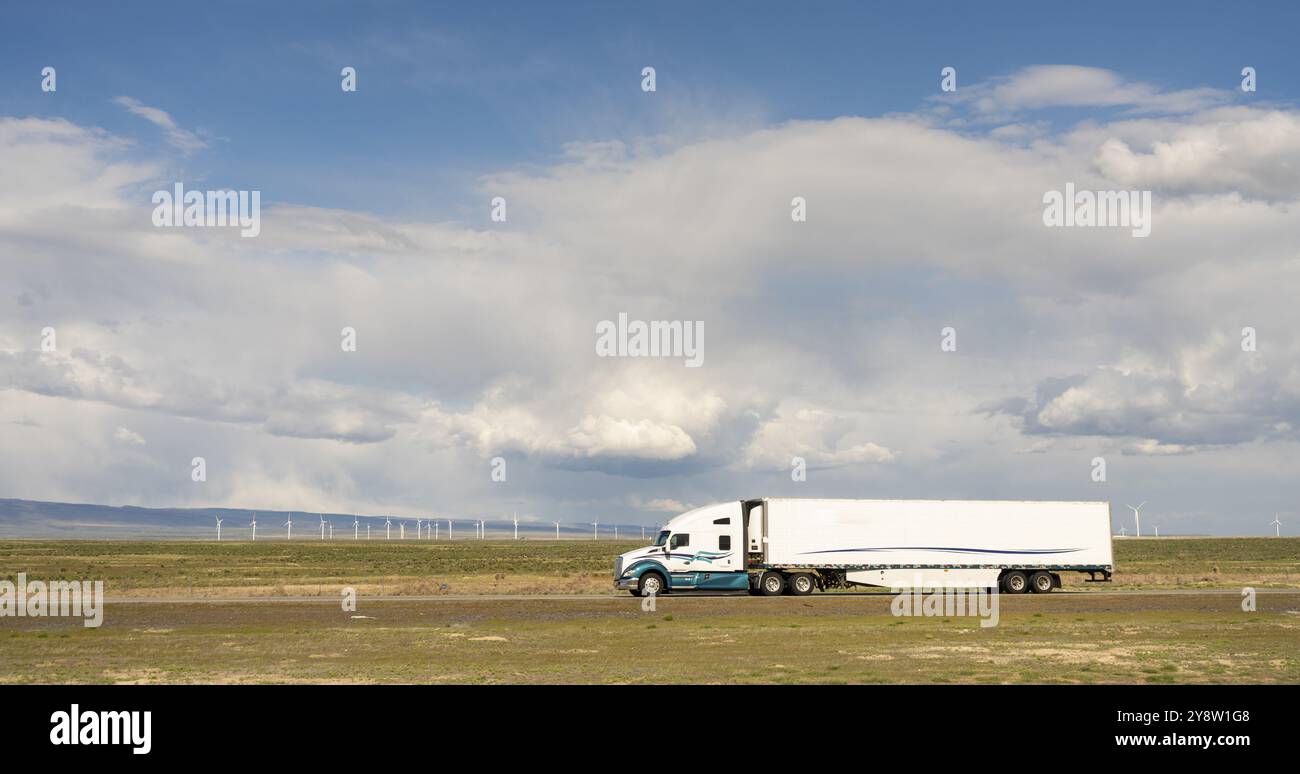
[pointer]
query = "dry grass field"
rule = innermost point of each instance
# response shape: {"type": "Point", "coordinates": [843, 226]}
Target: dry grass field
{"type": "Point", "coordinates": [545, 612]}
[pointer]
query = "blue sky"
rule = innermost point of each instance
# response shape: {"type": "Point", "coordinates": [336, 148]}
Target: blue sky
{"type": "Point", "coordinates": [924, 212]}
{"type": "Point", "coordinates": [451, 91]}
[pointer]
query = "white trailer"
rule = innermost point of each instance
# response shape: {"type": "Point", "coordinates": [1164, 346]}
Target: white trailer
{"type": "Point", "coordinates": [783, 545]}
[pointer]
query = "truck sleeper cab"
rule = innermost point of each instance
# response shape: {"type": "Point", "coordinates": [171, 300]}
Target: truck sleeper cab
{"type": "Point", "coordinates": [774, 546]}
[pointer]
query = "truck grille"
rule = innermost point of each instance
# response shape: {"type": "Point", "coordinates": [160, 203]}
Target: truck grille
{"type": "Point", "coordinates": [618, 567]}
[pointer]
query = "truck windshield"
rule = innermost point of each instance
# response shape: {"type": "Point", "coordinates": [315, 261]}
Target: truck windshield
{"type": "Point", "coordinates": [662, 539]}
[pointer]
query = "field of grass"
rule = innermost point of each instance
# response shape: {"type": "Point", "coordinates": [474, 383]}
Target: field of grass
{"type": "Point", "coordinates": [1262, 562]}
{"type": "Point", "coordinates": [180, 620]}
{"type": "Point", "coordinates": [307, 567]}
{"type": "Point", "coordinates": [1082, 638]}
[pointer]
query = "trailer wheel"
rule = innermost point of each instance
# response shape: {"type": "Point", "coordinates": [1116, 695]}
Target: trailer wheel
{"type": "Point", "coordinates": [800, 584]}
{"type": "Point", "coordinates": [651, 583]}
{"type": "Point", "coordinates": [1041, 582]}
{"type": "Point", "coordinates": [771, 584]}
{"type": "Point", "coordinates": [1015, 582]}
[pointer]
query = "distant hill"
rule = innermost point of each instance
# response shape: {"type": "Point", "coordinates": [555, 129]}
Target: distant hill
{"type": "Point", "coordinates": [30, 518]}
{"type": "Point", "coordinates": [36, 519]}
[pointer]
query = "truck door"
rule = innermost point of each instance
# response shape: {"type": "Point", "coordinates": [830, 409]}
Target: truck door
{"type": "Point", "coordinates": [681, 553]}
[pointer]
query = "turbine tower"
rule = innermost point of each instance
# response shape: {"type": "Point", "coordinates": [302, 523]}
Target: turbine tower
{"type": "Point", "coordinates": [401, 531]}
{"type": "Point", "coordinates": [1137, 518]}
{"type": "Point", "coordinates": [1277, 526]}
{"type": "Point", "coordinates": [595, 531]}
{"type": "Point", "coordinates": [516, 525]}
{"type": "Point", "coordinates": [322, 526]}
{"type": "Point", "coordinates": [254, 526]}
{"type": "Point", "coordinates": [218, 529]}
{"type": "Point", "coordinates": [419, 528]}
{"type": "Point", "coordinates": [1123, 531]}
{"type": "Point", "coordinates": [356, 529]}
{"type": "Point", "coordinates": [367, 530]}
{"type": "Point", "coordinates": [289, 534]}
{"type": "Point", "coordinates": [557, 530]}
{"type": "Point", "coordinates": [388, 528]}
{"type": "Point", "coordinates": [331, 530]}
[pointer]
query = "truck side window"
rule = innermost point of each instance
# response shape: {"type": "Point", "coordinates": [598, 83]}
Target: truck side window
{"type": "Point", "coordinates": [724, 542]}
{"type": "Point", "coordinates": [727, 520]}
{"type": "Point", "coordinates": [681, 539]}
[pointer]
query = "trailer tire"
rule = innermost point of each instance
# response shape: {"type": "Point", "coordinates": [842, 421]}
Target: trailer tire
{"type": "Point", "coordinates": [651, 582]}
{"type": "Point", "coordinates": [800, 584]}
{"type": "Point", "coordinates": [1041, 582]}
{"type": "Point", "coordinates": [1015, 582]}
{"type": "Point", "coordinates": [771, 584]}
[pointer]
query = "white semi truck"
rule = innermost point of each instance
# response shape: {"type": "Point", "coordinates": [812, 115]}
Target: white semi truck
{"type": "Point", "coordinates": [773, 546]}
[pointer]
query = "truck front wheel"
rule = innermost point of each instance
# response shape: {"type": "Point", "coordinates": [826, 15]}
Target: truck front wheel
{"type": "Point", "coordinates": [771, 584]}
{"type": "Point", "coordinates": [650, 583]}
{"type": "Point", "coordinates": [1041, 582]}
{"type": "Point", "coordinates": [1015, 582]}
{"type": "Point", "coordinates": [800, 584]}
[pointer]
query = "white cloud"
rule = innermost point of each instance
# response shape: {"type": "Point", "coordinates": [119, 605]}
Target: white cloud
{"type": "Point", "coordinates": [181, 139]}
{"type": "Point", "coordinates": [822, 439]}
{"type": "Point", "coordinates": [660, 505]}
{"type": "Point", "coordinates": [128, 437]}
{"type": "Point", "coordinates": [823, 336]}
{"type": "Point", "coordinates": [1048, 86]}
{"type": "Point", "coordinates": [1254, 153]}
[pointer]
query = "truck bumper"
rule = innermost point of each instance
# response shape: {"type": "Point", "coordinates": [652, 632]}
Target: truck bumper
{"type": "Point", "coordinates": [623, 584]}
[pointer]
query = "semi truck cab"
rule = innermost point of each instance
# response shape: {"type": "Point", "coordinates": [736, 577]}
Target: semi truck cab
{"type": "Point", "coordinates": [700, 549]}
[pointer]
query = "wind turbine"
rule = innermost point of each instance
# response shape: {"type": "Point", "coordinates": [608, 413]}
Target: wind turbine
{"type": "Point", "coordinates": [1123, 531]}
{"type": "Point", "coordinates": [218, 529]}
{"type": "Point", "coordinates": [254, 526]}
{"type": "Point", "coordinates": [616, 532]}
{"type": "Point", "coordinates": [643, 533]}
{"type": "Point", "coordinates": [557, 530]}
{"type": "Point", "coordinates": [367, 530]}
{"type": "Point", "coordinates": [449, 529]}
{"type": "Point", "coordinates": [289, 534]}
{"type": "Point", "coordinates": [322, 526]}
{"type": "Point", "coordinates": [1157, 529]}
{"type": "Point", "coordinates": [435, 529]}
{"type": "Point", "coordinates": [401, 528]}
{"type": "Point", "coordinates": [1277, 526]}
{"type": "Point", "coordinates": [595, 531]}
{"type": "Point", "coordinates": [1137, 517]}
{"type": "Point", "coordinates": [331, 530]}
{"type": "Point", "coordinates": [419, 528]}
{"type": "Point", "coordinates": [356, 529]}
{"type": "Point", "coordinates": [516, 525]}
{"type": "Point", "coordinates": [388, 528]}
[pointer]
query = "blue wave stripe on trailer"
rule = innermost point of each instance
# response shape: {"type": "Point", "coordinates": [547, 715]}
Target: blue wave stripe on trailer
{"type": "Point", "coordinates": [948, 549]}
